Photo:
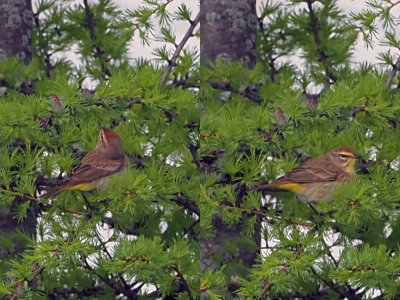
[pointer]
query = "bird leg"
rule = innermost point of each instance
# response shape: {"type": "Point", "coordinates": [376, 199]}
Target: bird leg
{"type": "Point", "coordinates": [313, 208]}
{"type": "Point", "coordinates": [87, 202]}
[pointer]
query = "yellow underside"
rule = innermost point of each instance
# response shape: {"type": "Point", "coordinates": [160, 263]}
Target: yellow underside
{"type": "Point", "coordinates": [80, 187]}
{"type": "Point", "coordinates": [293, 187]}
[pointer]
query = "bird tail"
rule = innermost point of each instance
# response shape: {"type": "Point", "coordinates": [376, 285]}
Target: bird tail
{"type": "Point", "coordinates": [270, 187]}
{"type": "Point", "coordinates": [53, 193]}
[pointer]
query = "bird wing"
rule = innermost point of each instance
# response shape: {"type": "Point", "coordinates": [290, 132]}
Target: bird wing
{"type": "Point", "coordinates": [305, 174]}
{"type": "Point", "coordinates": [302, 174]}
{"type": "Point", "coordinates": [89, 172]}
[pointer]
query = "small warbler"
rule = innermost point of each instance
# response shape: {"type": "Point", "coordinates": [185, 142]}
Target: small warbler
{"type": "Point", "coordinates": [317, 178]}
{"type": "Point", "coordinates": [96, 167]}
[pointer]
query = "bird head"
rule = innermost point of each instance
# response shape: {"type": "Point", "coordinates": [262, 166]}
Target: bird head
{"type": "Point", "coordinates": [345, 158]}
{"type": "Point", "coordinates": [110, 143]}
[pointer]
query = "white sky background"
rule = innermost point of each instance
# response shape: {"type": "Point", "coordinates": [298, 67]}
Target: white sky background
{"type": "Point", "coordinates": [178, 27]}
{"type": "Point", "coordinates": [137, 49]}
{"type": "Point", "coordinates": [361, 52]}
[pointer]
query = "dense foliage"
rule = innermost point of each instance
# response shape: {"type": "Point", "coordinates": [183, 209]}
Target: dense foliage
{"type": "Point", "coordinates": [258, 124]}
{"type": "Point", "coordinates": [139, 238]}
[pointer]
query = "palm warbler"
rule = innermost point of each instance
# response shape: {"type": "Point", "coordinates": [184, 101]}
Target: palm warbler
{"type": "Point", "coordinates": [96, 166]}
{"type": "Point", "coordinates": [318, 177]}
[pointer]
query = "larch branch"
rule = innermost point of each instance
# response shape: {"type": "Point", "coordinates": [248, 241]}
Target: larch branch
{"type": "Point", "coordinates": [179, 48]}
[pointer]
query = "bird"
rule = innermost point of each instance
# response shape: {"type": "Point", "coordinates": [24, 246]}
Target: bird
{"type": "Point", "coordinates": [317, 178]}
{"type": "Point", "coordinates": [97, 166]}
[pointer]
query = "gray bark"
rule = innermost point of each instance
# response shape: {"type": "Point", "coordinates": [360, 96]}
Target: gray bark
{"type": "Point", "coordinates": [16, 23]}
{"type": "Point", "coordinates": [228, 31]}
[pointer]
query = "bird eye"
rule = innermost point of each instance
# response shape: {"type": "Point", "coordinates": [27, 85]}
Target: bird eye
{"type": "Point", "coordinates": [343, 155]}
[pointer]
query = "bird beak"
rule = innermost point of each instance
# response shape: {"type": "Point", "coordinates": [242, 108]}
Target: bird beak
{"type": "Point", "coordinates": [100, 125]}
{"type": "Point", "coordinates": [357, 156]}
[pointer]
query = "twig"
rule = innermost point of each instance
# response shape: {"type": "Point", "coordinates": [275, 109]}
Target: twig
{"type": "Point", "coordinates": [139, 287]}
{"type": "Point", "coordinates": [67, 293]}
{"type": "Point", "coordinates": [395, 68]}
{"type": "Point", "coordinates": [111, 282]}
{"type": "Point", "coordinates": [254, 212]}
{"type": "Point", "coordinates": [342, 293]}
{"type": "Point", "coordinates": [261, 213]}
{"type": "Point", "coordinates": [184, 282]}
{"type": "Point", "coordinates": [110, 257]}
{"type": "Point", "coordinates": [394, 4]}
{"type": "Point", "coordinates": [274, 71]}
{"type": "Point", "coordinates": [179, 48]}
{"type": "Point", "coordinates": [75, 212]}
{"type": "Point", "coordinates": [23, 88]}
{"type": "Point", "coordinates": [260, 22]}
{"type": "Point", "coordinates": [193, 150]}
{"type": "Point", "coordinates": [190, 228]}
{"type": "Point", "coordinates": [99, 52]}
{"type": "Point", "coordinates": [34, 199]}
{"type": "Point", "coordinates": [49, 67]}
{"type": "Point", "coordinates": [187, 204]}
{"type": "Point", "coordinates": [247, 93]}
{"type": "Point", "coordinates": [358, 109]}
{"type": "Point", "coordinates": [19, 195]}
{"type": "Point", "coordinates": [319, 294]}
{"type": "Point", "coordinates": [328, 250]}
{"type": "Point", "coordinates": [322, 55]}
{"type": "Point", "coordinates": [295, 222]}
{"type": "Point", "coordinates": [133, 101]}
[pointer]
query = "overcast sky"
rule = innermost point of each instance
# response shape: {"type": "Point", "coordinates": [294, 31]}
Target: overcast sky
{"type": "Point", "coordinates": [136, 50]}
{"type": "Point", "coordinates": [362, 53]}
{"type": "Point", "coordinates": [179, 27]}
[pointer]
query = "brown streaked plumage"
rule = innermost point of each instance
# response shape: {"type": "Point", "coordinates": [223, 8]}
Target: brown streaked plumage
{"type": "Point", "coordinates": [96, 166]}
{"type": "Point", "coordinates": [317, 178]}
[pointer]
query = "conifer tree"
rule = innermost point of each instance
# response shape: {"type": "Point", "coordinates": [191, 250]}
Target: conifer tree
{"type": "Point", "coordinates": [239, 19]}
{"type": "Point", "coordinates": [137, 239]}
{"type": "Point", "coordinates": [349, 249]}
{"type": "Point", "coordinates": [16, 40]}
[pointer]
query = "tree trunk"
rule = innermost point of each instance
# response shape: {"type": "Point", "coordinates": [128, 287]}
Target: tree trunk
{"type": "Point", "coordinates": [228, 31]}
{"type": "Point", "coordinates": [16, 23]}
